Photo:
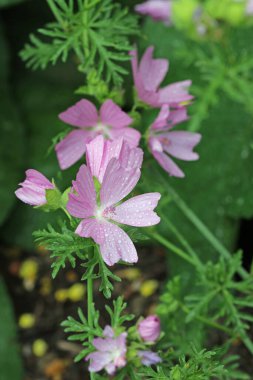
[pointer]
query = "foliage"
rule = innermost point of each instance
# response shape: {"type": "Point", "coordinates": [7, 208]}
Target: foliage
{"type": "Point", "coordinates": [10, 362]}
{"type": "Point", "coordinates": [221, 182]}
{"type": "Point", "coordinates": [116, 313]}
{"type": "Point", "coordinates": [81, 331]}
{"type": "Point", "coordinates": [96, 31]}
{"type": "Point", "coordinates": [217, 300]}
{"type": "Point", "coordinates": [11, 133]}
{"type": "Point", "coordinates": [202, 365]}
{"type": "Point", "coordinates": [7, 3]}
{"type": "Point", "coordinates": [64, 245]}
{"type": "Point", "coordinates": [104, 273]}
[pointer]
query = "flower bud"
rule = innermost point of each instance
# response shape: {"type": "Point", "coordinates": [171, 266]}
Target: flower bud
{"type": "Point", "coordinates": [33, 189]}
{"type": "Point", "coordinates": [150, 329]}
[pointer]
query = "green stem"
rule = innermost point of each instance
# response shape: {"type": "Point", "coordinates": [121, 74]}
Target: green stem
{"type": "Point", "coordinates": [166, 243]}
{"type": "Point", "coordinates": [207, 321]}
{"type": "Point", "coordinates": [66, 213]}
{"type": "Point", "coordinates": [200, 225]}
{"type": "Point", "coordinates": [90, 308]}
{"type": "Point", "coordinates": [85, 29]}
{"type": "Point", "coordinates": [182, 240]}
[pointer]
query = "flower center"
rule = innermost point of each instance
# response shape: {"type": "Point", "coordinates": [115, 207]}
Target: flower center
{"type": "Point", "coordinates": [103, 129]}
{"type": "Point", "coordinates": [106, 213]}
{"type": "Point", "coordinates": [165, 141]}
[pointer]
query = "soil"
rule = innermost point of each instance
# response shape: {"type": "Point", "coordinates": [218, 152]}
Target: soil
{"type": "Point", "coordinates": [41, 298]}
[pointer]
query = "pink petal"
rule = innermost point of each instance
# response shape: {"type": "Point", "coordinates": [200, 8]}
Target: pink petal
{"type": "Point", "coordinates": [71, 148]}
{"type": "Point", "coordinates": [178, 116]}
{"type": "Point", "coordinates": [158, 9]}
{"type": "Point", "coordinates": [130, 135]}
{"type": "Point", "coordinates": [78, 207]}
{"type": "Point", "coordinates": [108, 332]}
{"type": "Point", "coordinates": [112, 115]}
{"type": "Point", "coordinates": [175, 93]}
{"type": "Point", "coordinates": [94, 154]}
{"type": "Point", "coordinates": [149, 97]}
{"type": "Point", "coordinates": [162, 118]}
{"type": "Point", "coordinates": [82, 202]}
{"type": "Point", "coordinates": [100, 152]}
{"type": "Point", "coordinates": [181, 143]}
{"type": "Point", "coordinates": [121, 342]}
{"type": "Point", "coordinates": [152, 71]}
{"type": "Point", "coordinates": [110, 368]}
{"type": "Point", "coordinates": [117, 183]}
{"type": "Point", "coordinates": [82, 114]}
{"type": "Point", "coordinates": [167, 164]}
{"type": "Point", "coordinates": [35, 177]}
{"type": "Point", "coordinates": [92, 228]}
{"type": "Point", "coordinates": [155, 144]}
{"type": "Point", "coordinates": [149, 358]}
{"type": "Point", "coordinates": [249, 7]}
{"type": "Point", "coordinates": [182, 153]}
{"type": "Point", "coordinates": [138, 211]}
{"type": "Point", "coordinates": [108, 344]}
{"type": "Point", "coordinates": [32, 197]}
{"type": "Point", "coordinates": [98, 360]}
{"type": "Point", "coordinates": [112, 150]}
{"type": "Point", "coordinates": [130, 158]}
{"type": "Point", "coordinates": [185, 138]}
{"type": "Point", "coordinates": [117, 246]}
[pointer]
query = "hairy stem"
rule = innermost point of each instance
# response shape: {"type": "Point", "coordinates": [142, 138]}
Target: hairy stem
{"type": "Point", "coordinates": [182, 240]}
{"type": "Point", "coordinates": [166, 243]}
{"type": "Point", "coordinates": [90, 309]}
{"type": "Point", "coordinates": [85, 31]}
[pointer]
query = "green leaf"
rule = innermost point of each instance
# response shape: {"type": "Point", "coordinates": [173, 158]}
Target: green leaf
{"type": "Point", "coordinates": [10, 361]}
{"type": "Point", "coordinates": [7, 3]}
{"type": "Point", "coordinates": [97, 32]}
{"type": "Point", "coordinates": [65, 246]}
{"type": "Point", "coordinates": [104, 273]}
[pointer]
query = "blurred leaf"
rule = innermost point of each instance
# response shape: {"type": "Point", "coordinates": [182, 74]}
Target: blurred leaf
{"type": "Point", "coordinates": [11, 142]}
{"type": "Point", "coordinates": [42, 96]}
{"type": "Point", "coordinates": [7, 3]}
{"type": "Point", "coordinates": [10, 362]}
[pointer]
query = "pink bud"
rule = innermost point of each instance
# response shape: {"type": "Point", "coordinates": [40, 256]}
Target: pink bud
{"type": "Point", "coordinates": [150, 328]}
{"type": "Point", "coordinates": [33, 189]}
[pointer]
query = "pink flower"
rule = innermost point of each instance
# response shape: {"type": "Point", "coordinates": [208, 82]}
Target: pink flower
{"type": "Point", "coordinates": [33, 189]}
{"type": "Point", "coordinates": [249, 7]}
{"type": "Point", "coordinates": [110, 354]}
{"type": "Point", "coordinates": [164, 142]}
{"type": "Point", "coordinates": [159, 10]}
{"type": "Point", "coordinates": [99, 152]}
{"type": "Point", "coordinates": [150, 328]}
{"type": "Point", "coordinates": [148, 77]}
{"type": "Point", "coordinates": [149, 358]}
{"type": "Point", "coordinates": [110, 121]}
{"type": "Point", "coordinates": [98, 210]}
